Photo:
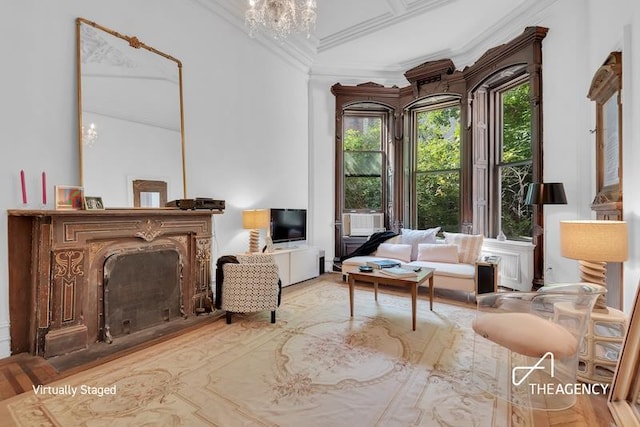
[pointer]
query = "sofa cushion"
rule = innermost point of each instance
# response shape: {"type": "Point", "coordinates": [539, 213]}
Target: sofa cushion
{"type": "Point", "coordinates": [469, 246]}
{"type": "Point", "coordinates": [437, 252]}
{"type": "Point", "coordinates": [415, 237]}
{"type": "Point", "coordinates": [462, 271]}
{"type": "Point", "coordinates": [398, 252]}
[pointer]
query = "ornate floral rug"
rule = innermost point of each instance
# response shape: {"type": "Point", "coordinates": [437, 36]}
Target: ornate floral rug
{"type": "Point", "coordinates": [315, 367]}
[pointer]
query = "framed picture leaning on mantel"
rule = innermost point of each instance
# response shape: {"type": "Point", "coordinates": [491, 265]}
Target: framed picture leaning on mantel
{"type": "Point", "coordinates": [69, 197]}
{"type": "Point", "coordinates": [605, 90]}
{"type": "Point", "coordinates": [93, 203]}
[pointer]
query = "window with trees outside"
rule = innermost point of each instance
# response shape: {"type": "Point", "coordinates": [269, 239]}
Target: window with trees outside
{"type": "Point", "coordinates": [514, 162]}
{"type": "Point", "coordinates": [363, 161]}
{"type": "Point", "coordinates": [437, 166]}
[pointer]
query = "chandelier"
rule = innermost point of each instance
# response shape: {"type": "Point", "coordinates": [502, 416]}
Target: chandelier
{"type": "Point", "coordinates": [279, 18]}
{"type": "Point", "coordinates": [89, 135]}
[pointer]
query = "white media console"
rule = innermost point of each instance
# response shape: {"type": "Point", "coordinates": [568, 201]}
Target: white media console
{"type": "Point", "coordinates": [297, 264]}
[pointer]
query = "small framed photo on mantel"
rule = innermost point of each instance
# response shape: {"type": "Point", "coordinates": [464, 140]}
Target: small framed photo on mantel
{"type": "Point", "coordinates": [68, 197]}
{"type": "Point", "coordinates": [93, 203]}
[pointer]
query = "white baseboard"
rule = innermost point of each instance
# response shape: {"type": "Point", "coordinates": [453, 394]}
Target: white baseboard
{"type": "Point", "coordinates": [5, 340]}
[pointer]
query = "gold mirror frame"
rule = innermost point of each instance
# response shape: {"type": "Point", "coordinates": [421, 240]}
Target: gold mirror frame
{"type": "Point", "coordinates": [624, 399]}
{"type": "Point", "coordinates": [605, 92]}
{"type": "Point", "coordinates": [134, 43]}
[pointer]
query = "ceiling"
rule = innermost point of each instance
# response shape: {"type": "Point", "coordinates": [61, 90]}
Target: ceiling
{"type": "Point", "coordinates": [387, 37]}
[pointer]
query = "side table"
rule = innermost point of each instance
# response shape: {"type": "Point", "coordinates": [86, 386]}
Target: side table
{"type": "Point", "coordinates": [601, 347]}
{"type": "Point", "coordinates": [487, 274]}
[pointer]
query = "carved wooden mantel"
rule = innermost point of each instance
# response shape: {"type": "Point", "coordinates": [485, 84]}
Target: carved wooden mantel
{"type": "Point", "coordinates": [56, 262]}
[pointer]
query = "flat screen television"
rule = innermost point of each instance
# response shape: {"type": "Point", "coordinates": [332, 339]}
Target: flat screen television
{"type": "Point", "coordinates": [288, 225]}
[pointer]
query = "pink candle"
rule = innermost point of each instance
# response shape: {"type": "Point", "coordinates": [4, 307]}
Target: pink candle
{"type": "Point", "coordinates": [44, 188]}
{"type": "Point", "coordinates": [24, 188]}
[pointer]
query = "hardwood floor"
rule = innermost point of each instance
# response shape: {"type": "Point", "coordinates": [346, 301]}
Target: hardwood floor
{"type": "Point", "coordinates": [21, 371]}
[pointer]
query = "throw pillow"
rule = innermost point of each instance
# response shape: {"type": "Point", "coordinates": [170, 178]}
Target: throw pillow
{"type": "Point", "coordinates": [436, 252]}
{"type": "Point", "coordinates": [415, 237]}
{"type": "Point", "coordinates": [469, 246]}
{"type": "Point", "coordinates": [399, 252]}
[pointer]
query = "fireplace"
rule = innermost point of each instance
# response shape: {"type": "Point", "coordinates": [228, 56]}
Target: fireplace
{"type": "Point", "coordinates": [82, 277]}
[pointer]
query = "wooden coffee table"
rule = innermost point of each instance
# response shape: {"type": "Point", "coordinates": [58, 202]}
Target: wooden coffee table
{"type": "Point", "coordinates": [376, 278]}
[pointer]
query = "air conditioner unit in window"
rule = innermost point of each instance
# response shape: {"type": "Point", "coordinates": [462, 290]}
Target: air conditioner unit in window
{"type": "Point", "coordinates": [355, 224]}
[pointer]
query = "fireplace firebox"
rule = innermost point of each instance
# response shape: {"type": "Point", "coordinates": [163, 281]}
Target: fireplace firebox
{"type": "Point", "coordinates": [141, 289]}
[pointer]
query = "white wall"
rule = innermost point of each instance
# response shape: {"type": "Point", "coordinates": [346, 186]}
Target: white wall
{"type": "Point", "coordinates": [568, 155]}
{"type": "Point", "coordinates": [246, 115]}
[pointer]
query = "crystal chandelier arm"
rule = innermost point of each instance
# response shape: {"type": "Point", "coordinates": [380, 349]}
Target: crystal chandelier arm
{"type": "Point", "coordinates": [279, 18]}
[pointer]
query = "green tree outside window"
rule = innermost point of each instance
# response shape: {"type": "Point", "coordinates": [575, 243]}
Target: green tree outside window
{"type": "Point", "coordinates": [438, 168]}
{"type": "Point", "coordinates": [363, 163]}
{"type": "Point", "coordinates": [516, 163]}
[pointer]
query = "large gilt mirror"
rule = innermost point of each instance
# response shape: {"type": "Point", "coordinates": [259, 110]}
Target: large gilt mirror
{"type": "Point", "coordinates": [130, 118]}
{"type": "Point", "coordinates": [624, 398]}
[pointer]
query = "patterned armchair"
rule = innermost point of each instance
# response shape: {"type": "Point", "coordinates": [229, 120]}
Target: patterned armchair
{"type": "Point", "coordinates": [251, 285]}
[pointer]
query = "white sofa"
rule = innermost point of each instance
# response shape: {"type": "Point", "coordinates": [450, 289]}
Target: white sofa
{"type": "Point", "coordinates": [452, 258]}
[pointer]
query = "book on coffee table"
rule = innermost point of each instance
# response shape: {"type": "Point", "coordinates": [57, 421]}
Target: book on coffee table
{"type": "Point", "coordinates": [399, 272]}
{"type": "Point", "coordinates": [383, 263]}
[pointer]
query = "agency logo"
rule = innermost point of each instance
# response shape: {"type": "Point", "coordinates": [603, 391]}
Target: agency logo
{"type": "Point", "coordinates": [530, 369]}
{"type": "Point", "coordinates": [519, 375]}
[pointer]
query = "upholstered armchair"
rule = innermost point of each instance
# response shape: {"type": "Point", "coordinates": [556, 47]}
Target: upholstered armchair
{"type": "Point", "coordinates": [527, 343]}
{"type": "Point", "coordinates": [251, 285]}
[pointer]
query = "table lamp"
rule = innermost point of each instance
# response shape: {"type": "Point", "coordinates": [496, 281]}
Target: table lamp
{"type": "Point", "coordinates": [254, 220]}
{"type": "Point", "coordinates": [545, 193]}
{"type": "Point", "coordinates": [593, 244]}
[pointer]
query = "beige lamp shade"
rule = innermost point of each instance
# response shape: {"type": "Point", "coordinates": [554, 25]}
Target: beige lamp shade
{"type": "Point", "coordinates": [255, 219]}
{"type": "Point", "coordinates": [593, 244]}
{"type": "Point", "coordinates": [602, 241]}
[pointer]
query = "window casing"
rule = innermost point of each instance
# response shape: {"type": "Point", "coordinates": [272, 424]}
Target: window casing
{"type": "Point", "coordinates": [364, 160]}
{"type": "Point", "coordinates": [513, 161]}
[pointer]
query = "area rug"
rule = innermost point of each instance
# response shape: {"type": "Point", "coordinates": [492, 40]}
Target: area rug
{"type": "Point", "coordinates": [316, 366]}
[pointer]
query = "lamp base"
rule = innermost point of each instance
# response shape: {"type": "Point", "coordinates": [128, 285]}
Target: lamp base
{"type": "Point", "coordinates": [595, 272]}
{"type": "Point", "coordinates": [254, 237]}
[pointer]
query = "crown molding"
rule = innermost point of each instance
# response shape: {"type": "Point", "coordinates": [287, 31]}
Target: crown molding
{"type": "Point", "coordinates": [401, 10]}
{"type": "Point", "coordinates": [354, 76]}
{"type": "Point", "coordinates": [528, 14]}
